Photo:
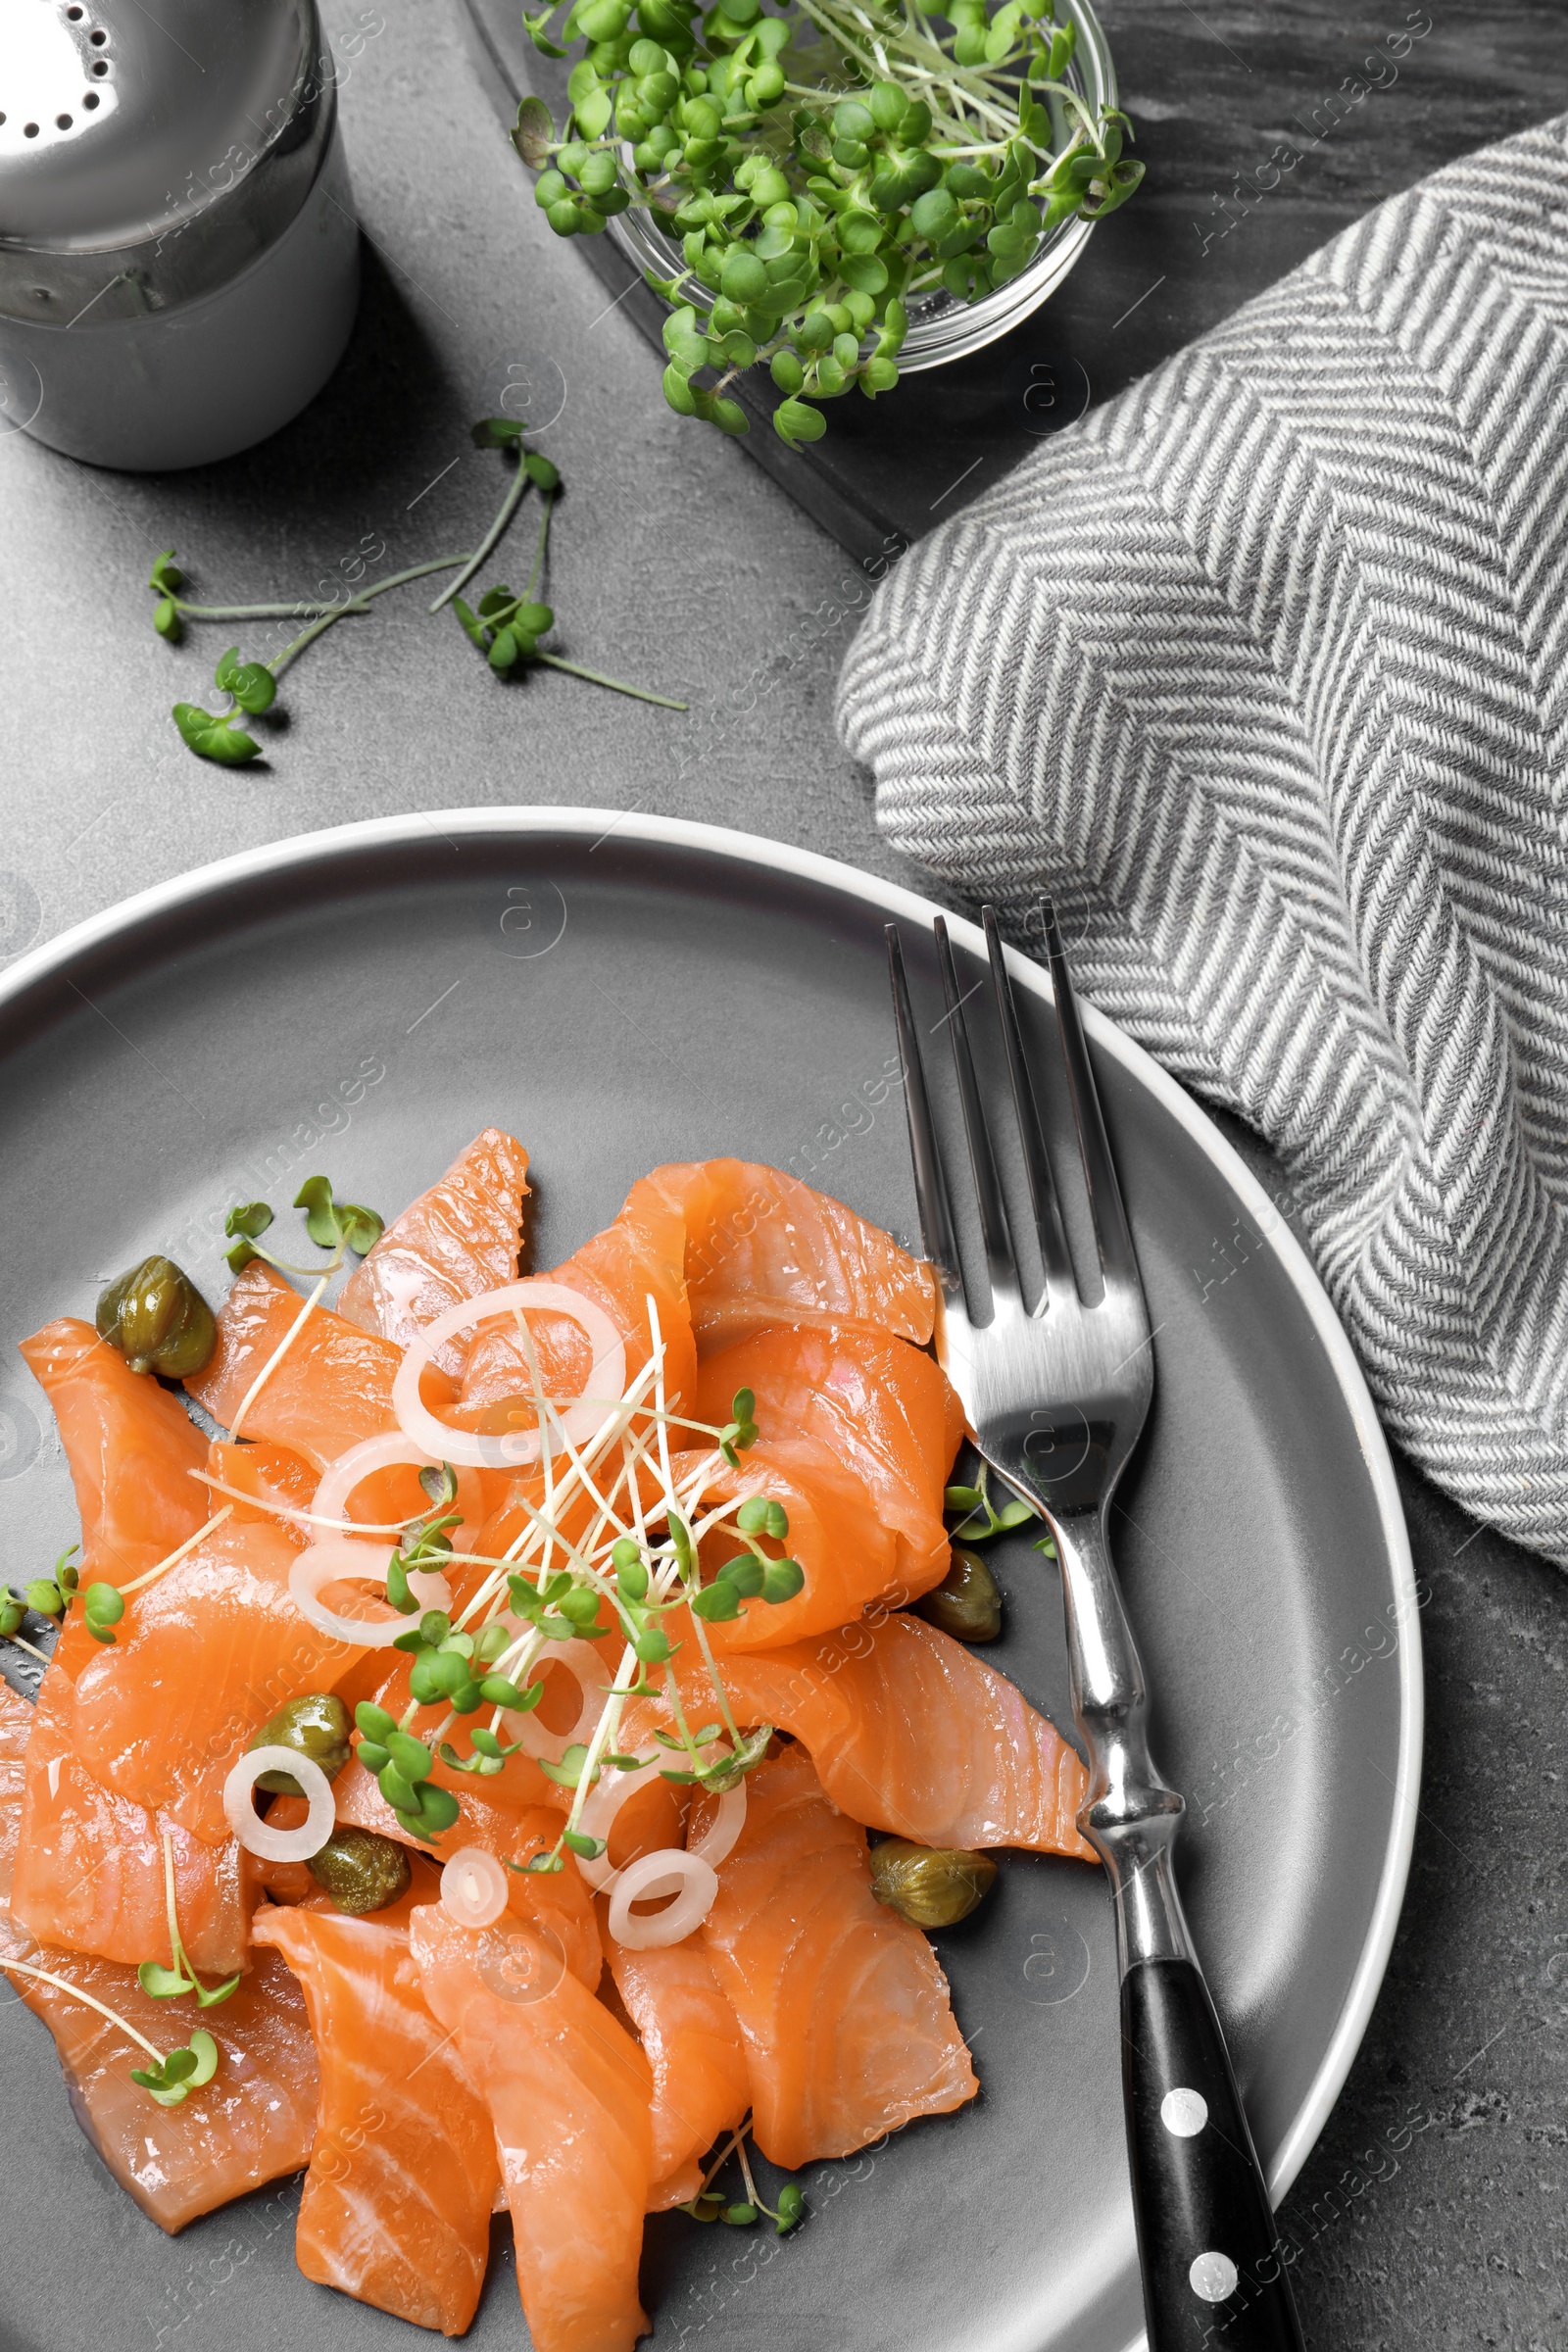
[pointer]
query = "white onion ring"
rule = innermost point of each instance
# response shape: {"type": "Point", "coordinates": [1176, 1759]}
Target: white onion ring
{"type": "Point", "coordinates": [384, 1452]}
{"type": "Point", "coordinates": [601, 1806]}
{"type": "Point", "coordinates": [717, 1842]}
{"type": "Point", "coordinates": [515, 1448]}
{"type": "Point", "coordinates": [280, 1845]}
{"type": "Point", "coordinates": [341, 1558]}
{"type": "Point", "coordinates": [693, 1881]}
{"type": "Point", "coordinates": [577, 1657]}
{"type": "Point", "coordinates": [473, 1887]}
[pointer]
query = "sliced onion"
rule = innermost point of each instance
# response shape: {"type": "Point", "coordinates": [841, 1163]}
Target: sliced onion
{"type": "Point", "coordinates": [384, 1452]}
{"type": "Point", "coordinates": [717, 1841]}
{"type": "Point", "coordinates": [602, 1805]}
{"type": "Point", "coordinates": [280, 1845]}
{"type": "Point", "coordinates": [344, 1559]}
{"type": "Point", "coordinates": [512, 1449]}
{"type": "Point", "coordinates": [693, 1881]}
{"type": "Point", "coordinates": [473, 1887]}
{"type": "Point", "coordinates": [582, 1660]}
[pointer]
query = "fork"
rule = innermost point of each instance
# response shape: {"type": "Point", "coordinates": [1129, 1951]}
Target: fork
{"type": "Point", "coordinates": [1057, 1395]}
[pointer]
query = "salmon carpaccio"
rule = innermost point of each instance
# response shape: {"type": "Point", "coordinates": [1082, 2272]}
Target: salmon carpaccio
{"type": "Point", "coordinates": [130, 1447]}
{"type": "Point", "coordinates": [762, 1246]}
{"type": "Point", "coordinates": [332, 1388]}
{"type": "Point", "coordinates": [205, 1655]}
{"type": "Point", "coordinates": [884, 1410]}
{"type": "Point", "coordinates": [842, 2005]}
{"type": "Point", "coordinates": [90, 1866]}
{"type": "Point", "coordinates": [403, 2170]}
{"type": "Point", "coordinates": [456, 1241]}
{"type": "Point", "coordinates": [569, 2094]}
{"type": "Point", "coordinates": [459, 2064]}
{"type": "Point", "coordinates": [701, 2082]}
{"type": "Point", "coordinates": [911, 1732]}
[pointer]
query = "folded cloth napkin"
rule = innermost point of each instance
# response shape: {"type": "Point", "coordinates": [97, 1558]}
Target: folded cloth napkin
{"type": "Point", "coordinates": [1262, 672]}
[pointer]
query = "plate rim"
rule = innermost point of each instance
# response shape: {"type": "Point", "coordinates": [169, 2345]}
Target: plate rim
{"type": "Point", "coordinates": [897, 902]}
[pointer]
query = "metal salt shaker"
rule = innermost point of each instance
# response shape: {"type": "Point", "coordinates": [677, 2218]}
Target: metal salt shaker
{"type": "Point", "coordinates": [179, 255]}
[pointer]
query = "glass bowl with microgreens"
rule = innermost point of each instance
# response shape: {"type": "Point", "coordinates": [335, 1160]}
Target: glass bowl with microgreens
{"type": "Point", "coordinates": [828, 194]}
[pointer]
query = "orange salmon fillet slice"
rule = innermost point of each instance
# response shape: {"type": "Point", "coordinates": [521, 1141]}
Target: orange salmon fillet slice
{"type": "Point", "coordinates": [887, 1411]}
{"type": "Point", "coordinates": [911, 1732]}
{"type": "Point", "coordinates": [204, 1658]}
{"type": "Point", "coordinates": [403, 2172]}
{"type": "Point", "coordinates": [333, 1387]}
{"type": "Point", "coordinates": [849, 1560]}
{"type": "Point", "coordinates": [569, 2094]}
{"type": "Point", "coordinates": [253, 2123]}
{"type": "Point", "coordinates": [702, 2084]}
{"type": "Point", "coordinates": [89, 1866]}
{"type": "Point", "coordinates": [841, 2003]}
{"type": "Point", "coordinates": [130, 1446]}
{"type": "Point", "coordinates": [763, 1248]}
{"type": "Point", "coordinates": [456, 1241]}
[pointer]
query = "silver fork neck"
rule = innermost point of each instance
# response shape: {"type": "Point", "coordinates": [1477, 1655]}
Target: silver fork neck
{"type": "Point", "coordinates": [1130, 1814]}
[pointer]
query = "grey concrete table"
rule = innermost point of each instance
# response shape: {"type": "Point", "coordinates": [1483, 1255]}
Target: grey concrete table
{"type": "Point", "coordinates": [1432, 2212]}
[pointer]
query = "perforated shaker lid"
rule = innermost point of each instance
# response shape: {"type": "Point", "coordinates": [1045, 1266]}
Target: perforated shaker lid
{"type": "Point", "coordinates": [146, 154]}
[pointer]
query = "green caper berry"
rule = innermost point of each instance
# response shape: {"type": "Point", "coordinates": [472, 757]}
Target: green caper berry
{"type": "Point", "coordinates": [966, 1603]}
{"type": "Point", "coordinates": [158, 1319]}
{"type": "Point", "coordinates": [931, 1886]}
{"type": "Point", "coordinates": [360, 1870]}
{"type": "Point", "coordinates": [316, 1726]}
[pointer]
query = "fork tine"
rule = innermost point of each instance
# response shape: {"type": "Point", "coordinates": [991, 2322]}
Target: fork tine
{"type": "Point", "coordinates": [930, 1185]}
{"type": "Point", "coordinates": [1054, 1252]}
{"type": "Point", "coordinates": [999, 1265]}
{"type": "Point", "coordinates": [1117, 1257]}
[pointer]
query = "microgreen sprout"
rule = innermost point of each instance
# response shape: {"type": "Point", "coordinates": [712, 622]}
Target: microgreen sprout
{"type": "Point", "coordinates": [712, 2205]}
{"type": "Point", "coordinates": [822, 169]}
{"type": "Point", "coordinates": [51, 1596]}
{"type": "Point", "coordinates": [982, 1520]}
{"type": "Point", "coordinates": [334, 1225]}
{"type": "Point", "coordinates": [168, 1983]}
{"type": "Point", "coordinates": [172, 2075]}
{"type": "Point", "coordinates": [505, 629]}
{"type": "Point", "coordinates": [402, 1766]}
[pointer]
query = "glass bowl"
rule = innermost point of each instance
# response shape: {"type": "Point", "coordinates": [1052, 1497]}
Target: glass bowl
{"type": "Point", "coordinates": [941, 327]}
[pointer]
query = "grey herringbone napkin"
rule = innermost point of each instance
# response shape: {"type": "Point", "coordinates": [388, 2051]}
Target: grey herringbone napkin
{"type": "Point", "coordinates": [1262, 672]}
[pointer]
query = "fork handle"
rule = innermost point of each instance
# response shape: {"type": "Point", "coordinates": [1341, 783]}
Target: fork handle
{"type": "Point", "coordinates": [1214, 2276]}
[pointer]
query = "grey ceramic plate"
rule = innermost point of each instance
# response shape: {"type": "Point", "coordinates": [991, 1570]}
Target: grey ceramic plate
{"type": "Point", "coordinates": [620, 992]}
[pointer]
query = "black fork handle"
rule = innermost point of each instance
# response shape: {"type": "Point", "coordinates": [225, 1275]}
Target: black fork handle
{"type": "Point", "coordinates": [1214, 2280]}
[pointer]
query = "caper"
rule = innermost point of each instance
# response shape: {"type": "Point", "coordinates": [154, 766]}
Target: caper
{"type": "Point", "coordinates": [932, 1886]}
{"type": "Point", "coordinates": [316, 1726]}
{"type": "Point", "coordinates": [966, 1603]}
{"type": "Point", "coordinates": [158, 1319]}
{"type": "Point", "coordinates": [360, 1870]}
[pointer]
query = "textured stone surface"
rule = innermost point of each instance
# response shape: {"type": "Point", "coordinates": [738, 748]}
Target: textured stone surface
{"type": "Point", "coordinates": [1431, 2212]}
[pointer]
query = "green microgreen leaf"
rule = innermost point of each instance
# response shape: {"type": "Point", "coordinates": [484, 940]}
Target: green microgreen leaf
{"type": "Point", "coordinates": [533, 132]}
{"type": "Point", "coordinates": [781, 1581]}
{"type": "Point", "coordinates": [590, 1849]}
{"type": "Point", "coordinates": [215, 738]}
{"type": "Point", "coordinates": [718, 1603]}
{"type": "Point", "coordinates": [163, 1983]}
{"type": "Point", "coordinates": [441, 1486]}
{"type": "Point", "coordinates": [568, 1774]}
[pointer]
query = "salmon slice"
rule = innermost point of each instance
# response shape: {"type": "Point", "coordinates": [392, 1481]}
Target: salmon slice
{"type": "Point", "coordinates": [841, 2003]}
{"type": "Point", "coordinates": [271, 1475]}
{"type": "Point", "coordinates": [16, 1729]}
{"type": "Point", "coordinates": [763, 1248]}
{"type": "Point", "coordinates": [569, 2094]}
{"type": "Point", "coordinates": [556, 1901]}
{"type": "Point", "coordinates": [89, 1866]}
{"type": "Point", "coordinates": [888, 1412]}
{"type": "Point", "coordinates": [702, 2084]}
{"type": "Point", "coordinates": [130, 1446]}
{"type": "Point", "coordinates": [458, 1240]}
{"type": "Point", "coordinates": [911, 1732]}
{"type": "Point", "coordinates": [204, 1658]}
{"type": "Point", "coordinates": [253, 2123]}
{"type": "Point", "coordinates": [636, 1258]}
{"type": "Point", "coordinates": [333, 1387]}
{"type": "Point", "coordinates": [403, 2172]}
{"type": "Point", "coordinates": [850, 1558]}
